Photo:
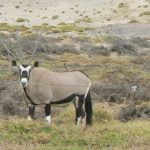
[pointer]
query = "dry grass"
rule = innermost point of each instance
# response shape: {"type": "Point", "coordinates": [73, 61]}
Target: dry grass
{"type": "Point", "coordinates": [4, 70]}
{"type": "Point", "coordinates": [45, 27]}
{"type": "Point", "coordinates": [145, 13]}
{"type": "Point", "coordinates": [121, 5]}
{"type": "Point", "coordinates": [12, 28]}
{"type": "Point", "coordinates": [106, 133]}
{"type": "Point", "coordinates": [84, 19]}
{"type": "Point", "coordinates": [60, 28]}
{"type": "Point", "coordinates": [99, 67]}
{"type": "Point", "coordinates": [22, 20]}
{"type": "Point", "coordinates": [133, 21]}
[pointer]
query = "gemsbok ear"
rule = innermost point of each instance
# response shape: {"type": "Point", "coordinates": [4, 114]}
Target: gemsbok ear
{"type": "Point", "coordinates": [14, 67]}
{"type": "Point", "coordinates": [13, 63]}
{"type": "Point", "coordinates": [36, 64]}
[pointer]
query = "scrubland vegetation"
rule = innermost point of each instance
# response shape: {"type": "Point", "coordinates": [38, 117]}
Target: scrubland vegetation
{"type": "Point", "coordinates": [110, 43]}
{"type": "Point", "coordinates": [106, 132]}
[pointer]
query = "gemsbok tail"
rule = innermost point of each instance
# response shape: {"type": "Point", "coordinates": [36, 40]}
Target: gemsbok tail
{"type": "Point", "coordinates": [88, 109]}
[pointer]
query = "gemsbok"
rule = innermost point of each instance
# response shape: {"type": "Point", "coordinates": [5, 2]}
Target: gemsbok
{"type": "Point", "coordinates": [42, 86]}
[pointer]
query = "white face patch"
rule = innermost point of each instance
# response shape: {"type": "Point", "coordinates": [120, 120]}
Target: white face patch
{"type": "Point", "coordinates": [24, 73]}
{"type": "Point", "coordinates": [25, 69]}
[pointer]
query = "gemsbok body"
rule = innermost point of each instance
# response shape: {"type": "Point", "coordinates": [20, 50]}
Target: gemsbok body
{"type": "Point", "coordinates": [42, 86]}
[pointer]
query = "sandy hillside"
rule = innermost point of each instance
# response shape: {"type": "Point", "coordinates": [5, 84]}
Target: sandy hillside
{"type": "Point", "coordinates": [56, 11]}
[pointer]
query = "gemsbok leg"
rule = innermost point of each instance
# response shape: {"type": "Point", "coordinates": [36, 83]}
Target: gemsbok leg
{"type": "Point", "coordinates": [88, 109]}
{"type": "Point", "coordinates": [48, 113]}
{"type": "Point", "coordinates": [80, 114]}
{"type": "Point", "coordinates": [31, 112]}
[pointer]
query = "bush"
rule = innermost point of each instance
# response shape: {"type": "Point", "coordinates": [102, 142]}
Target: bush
{"type": "Point", "coordinates": [101, 115]}
{"type": "Point", "coordinates": [132, 111]}
{"type": "Point", "coordinates": [122, 46]}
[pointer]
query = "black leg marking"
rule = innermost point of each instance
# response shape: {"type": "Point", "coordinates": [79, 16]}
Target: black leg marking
{"type": "Point", "coordinates": [48, 113]}
{"type": "Point", "coordinates": [80, 114]}
{"type": "Point", "coordinates": [88, 109]}
{"type": "Point", "coordinates": [31, 111]}
{"type": "Point", "coordinates": [47, 110]}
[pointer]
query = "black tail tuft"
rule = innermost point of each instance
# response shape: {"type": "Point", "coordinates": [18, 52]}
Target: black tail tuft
{"type": "Point", "coordinates": [88, 109]}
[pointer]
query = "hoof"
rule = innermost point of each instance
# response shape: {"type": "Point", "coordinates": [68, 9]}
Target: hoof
{"type": "Point", "coordinates": [29, 118]}
{"type": "Point", "coordinates": [48, 119]}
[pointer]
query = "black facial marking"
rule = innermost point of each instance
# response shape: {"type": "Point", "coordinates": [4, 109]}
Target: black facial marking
{"type": "Point", "coordinates": [24, 74]}
{"type": "Point", "coordinates": [25, 66]}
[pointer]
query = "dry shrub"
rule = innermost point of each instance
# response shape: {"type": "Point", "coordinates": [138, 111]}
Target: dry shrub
{"type": "Point", "coordinates": [132, 112]}
{"type": "Point", "coordinates": [123, 46]}
{"type": "Point", "coordinates": [101, 115]}
{"type": "Point", "coordinates": [9, 107]}
{"type": "Point", "coordinates": [11, 99]}
{"type": "Point", "coordinates": [127, 113]}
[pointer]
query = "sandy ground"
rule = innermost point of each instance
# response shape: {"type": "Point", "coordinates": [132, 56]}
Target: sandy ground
{"type": "Point", "coordinates": [56, 11]}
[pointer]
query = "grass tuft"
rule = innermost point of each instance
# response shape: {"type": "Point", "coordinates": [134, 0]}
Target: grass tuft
{"type": "Point", "coordinates": [60, 28]}
{"type": "Point", "coordinates": [54, 17]}
{"type": "Point", "coordinates": [12, 28]}
{"type": "Point", "coordinates": [133, 21]}
{"type": "Point", "coordinates": [22, 20]}
{"type": "Point", "coordinates": [121, 5]}
{"type": "Point", "coordinates": [145, 13]}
